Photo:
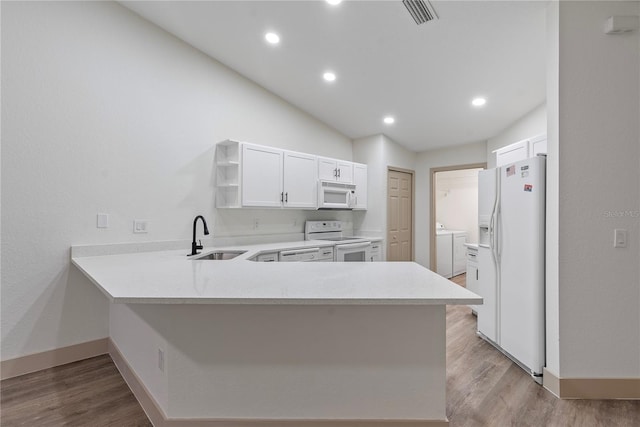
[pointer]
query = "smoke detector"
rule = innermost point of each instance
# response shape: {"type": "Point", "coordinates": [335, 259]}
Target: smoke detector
{"type": "Point", "coordinates": [421, 11]}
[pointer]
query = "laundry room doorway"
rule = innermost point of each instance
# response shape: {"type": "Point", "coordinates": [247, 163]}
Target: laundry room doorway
{"type": "Point", "coordinates": [454, 217]}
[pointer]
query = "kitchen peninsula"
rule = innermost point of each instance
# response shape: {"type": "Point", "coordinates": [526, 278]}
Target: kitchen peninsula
{"type": "Point", "coordinates": [241, 343]}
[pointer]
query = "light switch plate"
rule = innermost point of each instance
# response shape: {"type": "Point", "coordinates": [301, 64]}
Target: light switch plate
{"type": "Point", "coordinates": [620, 238]}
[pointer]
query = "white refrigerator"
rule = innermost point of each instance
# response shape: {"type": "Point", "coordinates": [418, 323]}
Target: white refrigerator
{"type": "Point", "coordinates": [511, 251]}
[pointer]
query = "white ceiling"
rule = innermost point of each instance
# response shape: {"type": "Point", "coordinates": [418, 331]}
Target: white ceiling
{"type": "Point", "coordinates": [425, 76]}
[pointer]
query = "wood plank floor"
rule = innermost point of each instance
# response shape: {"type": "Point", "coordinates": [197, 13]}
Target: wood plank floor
{"type": "Point", "coordinates": [86, 393]}
{"type": "Point", "coordinates": [484, 388]}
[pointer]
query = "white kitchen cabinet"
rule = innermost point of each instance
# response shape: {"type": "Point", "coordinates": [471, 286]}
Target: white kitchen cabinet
{"type": "Point", "coordinates": [261, 176]}
{"type": "Point", "coordinates": [459, 253]}
{"type": "Point", "coordinates": [360, 180]}
{"type": "Point", "coordinates": [300, 180]}
{"type": "Point", "coordinates": [521, 150]}
{"type": "Point", "coordinates": [538, 145]}
{"type": "Point", "coordinates": [268, 257]}
{"type": "Point", "coordinates": [252, 175]}
{"type": "Point", "coordinates": [335, 170]}
{"type": "Point", "coordinates": [375, 251]}
{"type": "Point", "coordinates": [472, 271]}
{"type": "Point", "coordinates": [512, 153]}
{"type": "Point", "coordinates": [486, 288]}
{"type": "Point", "coordinates": [278, 178]}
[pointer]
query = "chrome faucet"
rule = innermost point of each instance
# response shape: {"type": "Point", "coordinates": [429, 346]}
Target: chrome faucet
{"type": "Point", "coordinates": [194, 245]}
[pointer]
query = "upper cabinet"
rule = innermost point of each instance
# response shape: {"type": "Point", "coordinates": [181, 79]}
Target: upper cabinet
{"type": "Point", "coordinates": [300, 180]}
{"type": "Point", "coordinates": [261, 176]}
{"type": "Point", "coordinates": [252, 175]}
{"type": "Point", "coordinates": [335, 170]}
{"type": "Point", "coordinates": [360, 180]}
{"type": "Point", "coordinates": [512, 153]}
{"type": "Point", "coordinates": [274, 178]}
{"type": "Point", "coordinates": [538, 145]}
{"type": "Point", "coordinates": [521, 150]}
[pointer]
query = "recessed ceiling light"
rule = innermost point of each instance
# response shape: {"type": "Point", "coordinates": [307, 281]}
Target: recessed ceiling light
{"type": "Point", "coordinates": [272, 38]}
{"type": "Point", "coordinates": [334, 2]}
{"type": "Point", "coordinates": [478, 102]}
{"type": "Point", "coordinates": [329, 76]}
{"type": "Point", "coordinates": [389, 120]}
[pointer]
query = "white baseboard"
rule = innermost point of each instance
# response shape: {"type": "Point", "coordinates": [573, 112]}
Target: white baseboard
{"type": "Point", "coordinates": [592, 388]}
{"type": "Point", "coordinates": [49, 359]}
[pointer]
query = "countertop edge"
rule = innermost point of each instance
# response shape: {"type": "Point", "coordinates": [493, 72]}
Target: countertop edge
{"type": "Point", "coordinates": [293, 301]}
{"type": "Point", "coordinates": [92, 280]}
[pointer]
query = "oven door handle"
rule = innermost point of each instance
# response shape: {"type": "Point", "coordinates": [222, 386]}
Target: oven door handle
{"type": "Point", "coordinates": [299, 251]}
{"type": "Point", "coordinates": [353, 245]}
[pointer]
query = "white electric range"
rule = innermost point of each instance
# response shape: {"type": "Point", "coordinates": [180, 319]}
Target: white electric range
{"type": "Point", "coordinates": [347, 249]}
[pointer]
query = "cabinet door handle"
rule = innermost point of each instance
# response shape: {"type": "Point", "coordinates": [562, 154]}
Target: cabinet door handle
{"type": "Point", "coordinates": [281, 197]}
{"type": "Point", "coordinates": [286, 197]}
{"type": "Point", "coordinates": [476, 274]}
{"type": "Point", "coordinates": [335, 172]}
{"type": "Point", "coordinates": [338, 173]}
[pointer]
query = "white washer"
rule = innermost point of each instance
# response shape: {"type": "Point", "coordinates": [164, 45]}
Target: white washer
{"type": "Point", "coordinates": [450, 252]}
{"type": "Point", "coordinates": [444, 253]}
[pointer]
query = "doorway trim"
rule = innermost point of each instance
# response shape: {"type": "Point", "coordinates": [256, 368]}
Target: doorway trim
{"type": "Point", "coordinates": [432, 205]}
{"type": "Point", "coordinates": [413, 209]}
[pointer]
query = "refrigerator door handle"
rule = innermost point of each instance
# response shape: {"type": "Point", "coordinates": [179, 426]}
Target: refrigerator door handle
{"type": "Point", "coordinates": [493, 224]}
{"type": "Point", "coordinates": [495, 243]}
{"type": "Point", "coordinates": [498, 234]}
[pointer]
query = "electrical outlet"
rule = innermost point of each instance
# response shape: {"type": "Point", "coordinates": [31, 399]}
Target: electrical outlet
{"type": "Point", "coordinates": [256, 223]}
{"type": "Point", "coordinates": [140, 226]}
{"type": "Point", "coordinates": [102, 220]}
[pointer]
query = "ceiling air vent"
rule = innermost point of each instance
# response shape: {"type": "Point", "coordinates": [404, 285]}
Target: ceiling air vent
{"type": "Point", "coordinates": [421, 11]}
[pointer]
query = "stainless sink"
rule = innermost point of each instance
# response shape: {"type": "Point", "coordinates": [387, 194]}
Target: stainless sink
{"type": "Point", "coordinates": [218, 255]}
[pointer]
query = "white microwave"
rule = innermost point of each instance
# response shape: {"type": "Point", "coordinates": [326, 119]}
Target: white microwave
{"type": "Point", "coordinates": [335, 195]}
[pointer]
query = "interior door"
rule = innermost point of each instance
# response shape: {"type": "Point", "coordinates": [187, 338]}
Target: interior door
{"type": "Point", "coordinates": [399, 216]}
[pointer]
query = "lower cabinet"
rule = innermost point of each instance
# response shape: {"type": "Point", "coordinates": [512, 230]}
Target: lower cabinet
{"type": "Point", "coordinates": [375, 251]}
{"type": "Point", "coordinates": [472, 272]}
{"type": "Point", "coordinates": [268, 257]}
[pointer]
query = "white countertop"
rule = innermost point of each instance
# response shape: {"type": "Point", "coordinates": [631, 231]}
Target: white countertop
{"type": "Point", "coordinates": [170, 277]}
{"type": "Point", "coordinates": [471, 245]}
